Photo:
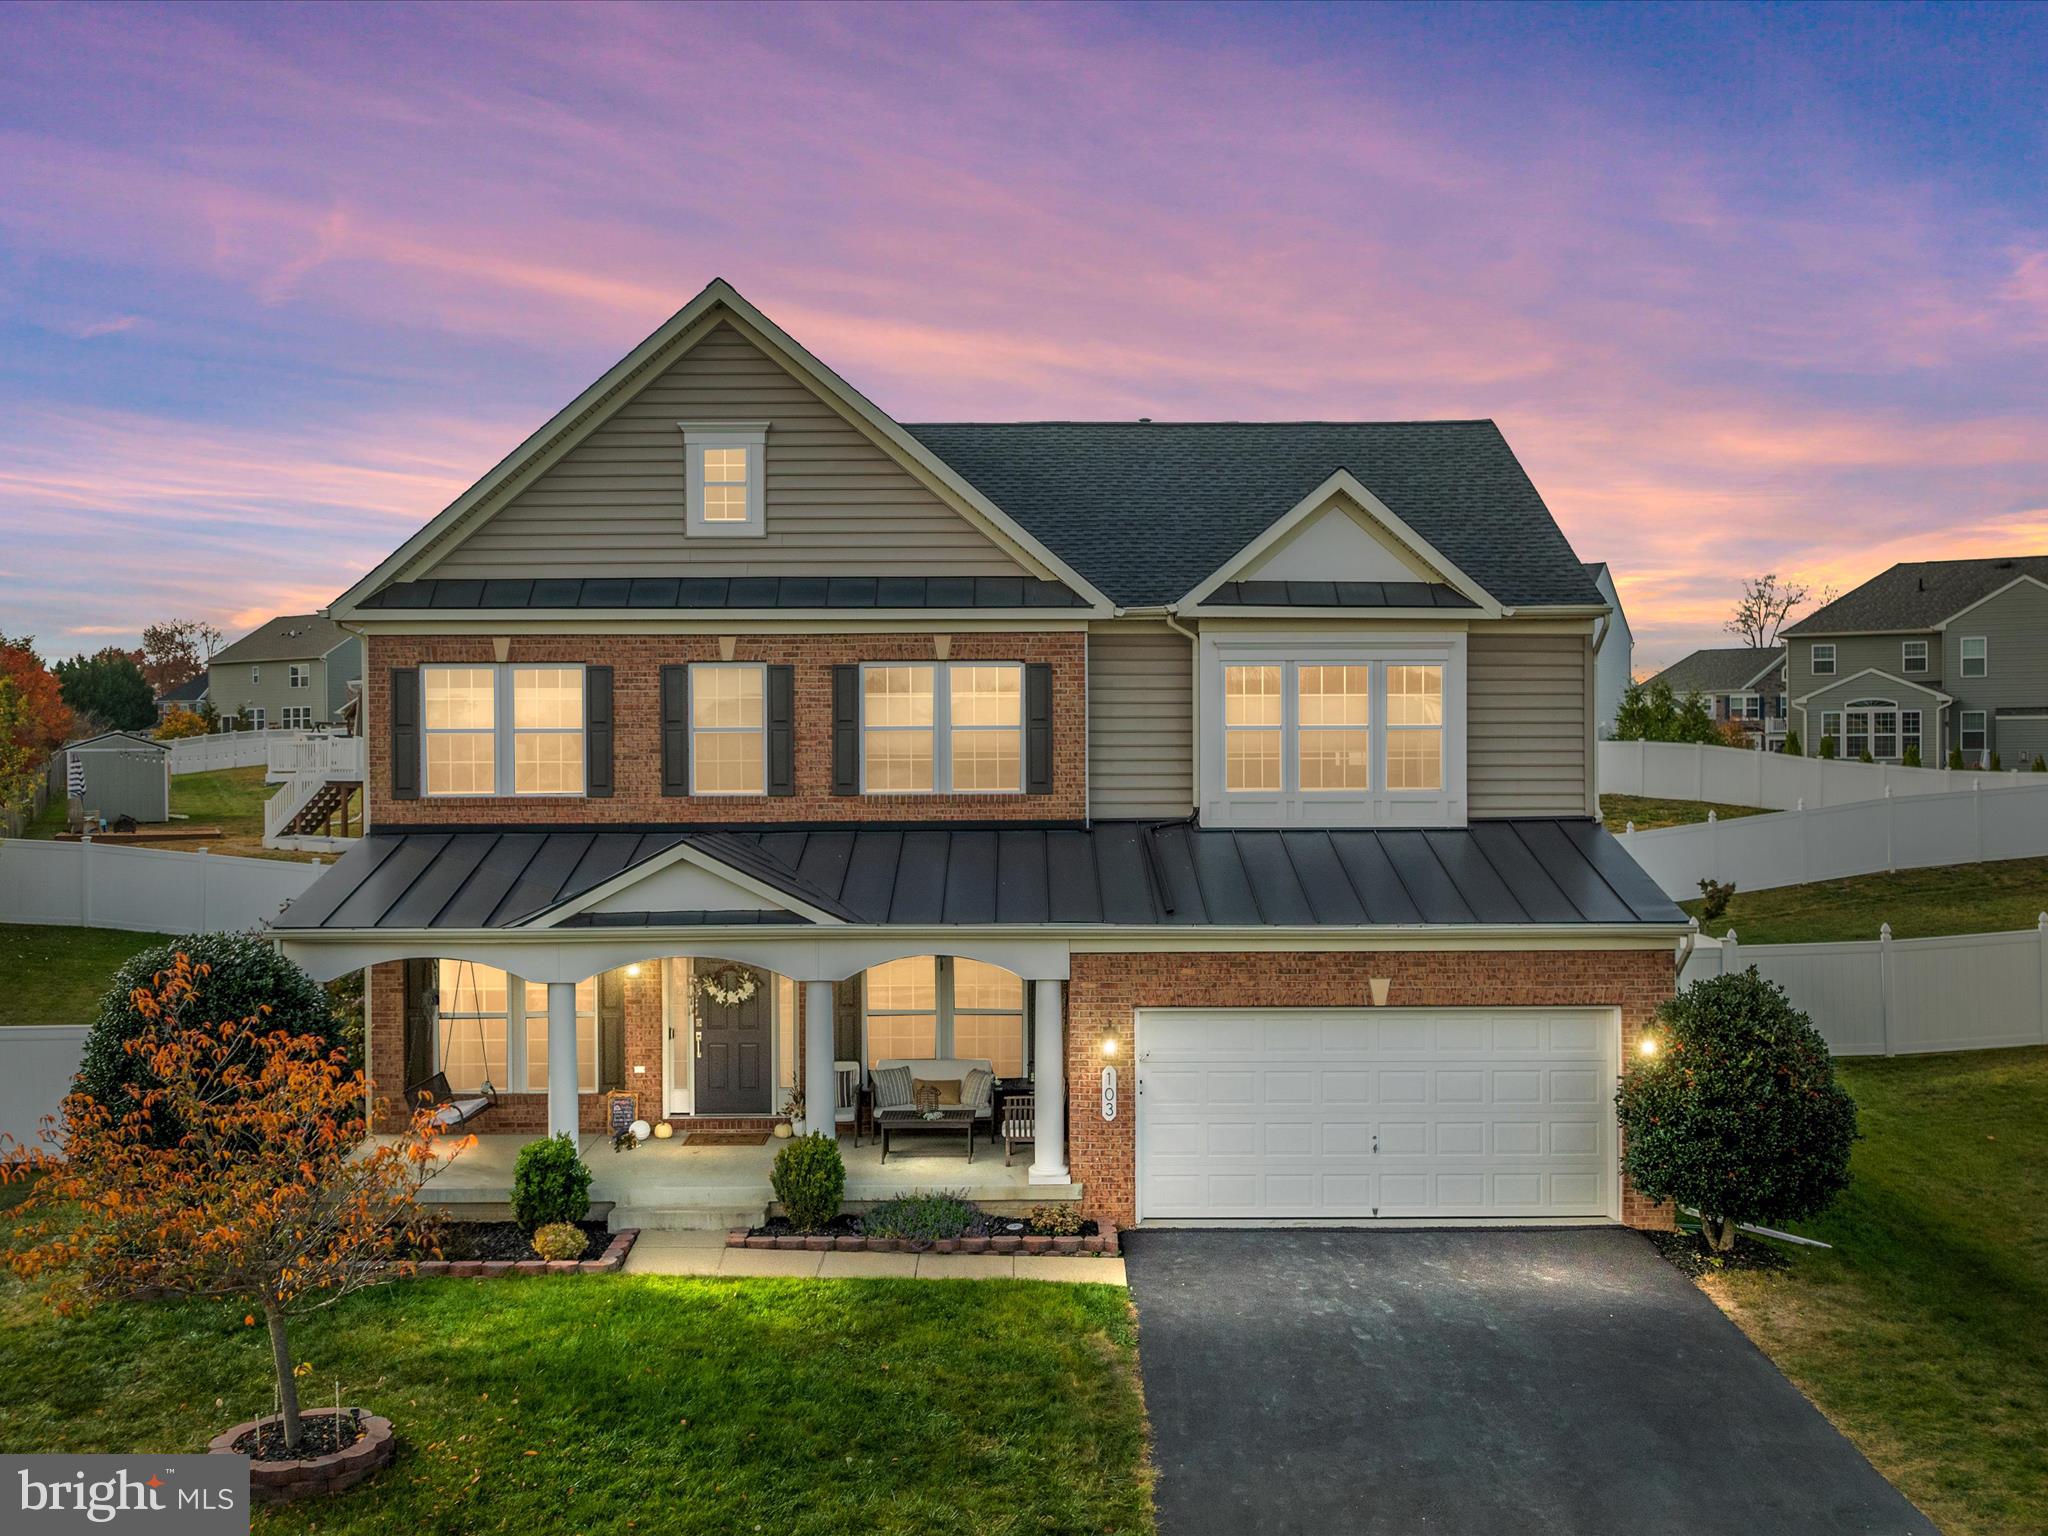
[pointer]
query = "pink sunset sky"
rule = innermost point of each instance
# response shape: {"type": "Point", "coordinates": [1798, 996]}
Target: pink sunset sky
{"type": "Point", "coordinates": [1747, 289]}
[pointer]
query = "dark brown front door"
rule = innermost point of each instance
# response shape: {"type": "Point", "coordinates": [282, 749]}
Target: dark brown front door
{"type": "Point", "coordinates": [730, 1070]}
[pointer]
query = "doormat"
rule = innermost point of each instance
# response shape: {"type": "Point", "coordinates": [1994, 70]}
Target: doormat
{"type": "Point", "coordinates": [725, 1138]}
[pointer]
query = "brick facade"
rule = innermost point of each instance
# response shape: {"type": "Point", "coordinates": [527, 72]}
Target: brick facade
{"type": "Point", "coordinates": [636, 662]}
{"type": "Point", "coordinates": [1106, 989]}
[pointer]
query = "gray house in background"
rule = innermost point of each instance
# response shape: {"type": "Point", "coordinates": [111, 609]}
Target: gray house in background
{"type": "Point", "coordinates": [1934, 654]}
{"type": "Point", "coordinates": [293, 673]}
{"type": "Point", "coordinates": [1614, 660]}
{"type": "Point", "coordinates": [1740, 683]}
{"type": "Point", "coordinates": [123, 775]}
{"type": "Point", "coordinates": [189, 694]}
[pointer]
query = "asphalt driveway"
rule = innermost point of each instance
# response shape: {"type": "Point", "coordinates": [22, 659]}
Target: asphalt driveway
{"type": "Point", "coordinates": [1460, 1381]}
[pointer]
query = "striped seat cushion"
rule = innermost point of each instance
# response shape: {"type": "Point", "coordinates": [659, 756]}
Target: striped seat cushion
{"type": "Point", "coordinates": [892, 1087]}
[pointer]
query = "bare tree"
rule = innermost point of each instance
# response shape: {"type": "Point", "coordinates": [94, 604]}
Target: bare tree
{"type": "Point", "coordinates": [1765, 606]}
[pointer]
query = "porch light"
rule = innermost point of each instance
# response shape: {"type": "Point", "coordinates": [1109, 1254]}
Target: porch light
{"type": "Point", "coordinates": [1647, 1045]}
{"type": "Point", "coordinates": [633, 969]}
{"type": "Point", "coordinates": [1109, 1040]}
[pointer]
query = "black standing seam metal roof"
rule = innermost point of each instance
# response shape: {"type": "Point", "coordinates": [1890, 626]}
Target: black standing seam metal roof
{"type": "Point", "coordinates": [1147, 510]}
{"type": "Point", "coordinates": [1114, 873]}
{"type": "Point", "coordinates": [1337, 594]}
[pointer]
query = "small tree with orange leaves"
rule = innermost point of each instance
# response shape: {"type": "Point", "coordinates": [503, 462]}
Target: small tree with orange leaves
{"type": "Point", "coordinates": [268, 1194]}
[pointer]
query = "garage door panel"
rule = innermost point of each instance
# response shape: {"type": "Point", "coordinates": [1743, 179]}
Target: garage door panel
{"type": "Point", "coordinates": [1480, 1113]}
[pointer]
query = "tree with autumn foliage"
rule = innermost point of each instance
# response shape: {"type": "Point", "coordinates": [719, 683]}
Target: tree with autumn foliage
{"type": "Point", "coordinates": [271, 1194]}
{"type": "Point", "coordinates": [177, 650]}
{"type": "Point", "coordinates": [40, 721]}
{"type": "Point", "coordinates": [178, 723]}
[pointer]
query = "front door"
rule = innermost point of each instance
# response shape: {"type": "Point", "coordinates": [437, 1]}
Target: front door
{"type": "Point", "coordinates": [730, 1066]}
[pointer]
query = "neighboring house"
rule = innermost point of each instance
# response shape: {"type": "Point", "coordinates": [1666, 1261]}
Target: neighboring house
{"type": "Point", "coordinates": [189, 694]}
{"type": "Point", "coordinates": [291, 674]}
{"type": "Point", "coordinates": [1936, 654]}
{"type": "Point", "coordinates": [1232, 781]}
{"type": "Point", "coordinates": [1614, 652]}
{"type": "Point", "coordinates": [1740, 683]}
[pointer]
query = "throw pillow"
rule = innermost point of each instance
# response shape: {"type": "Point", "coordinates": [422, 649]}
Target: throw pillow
{"type": "Point", "coordinates": [892, 1088]}
{"type": "Point", "coordinates": [975, 1089]}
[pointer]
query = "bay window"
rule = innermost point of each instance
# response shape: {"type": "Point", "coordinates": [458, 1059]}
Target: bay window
{"type": "Point", "coordinates": [728, 729]}
{"type": "Point", "coordinates": [493, 1028]}
{"type": "Point", "coordinates": [940, 1006]}
{"type": "Point", "coordinates": [502, 730]}
{"type": "Point", "coordinates": [942, 727]}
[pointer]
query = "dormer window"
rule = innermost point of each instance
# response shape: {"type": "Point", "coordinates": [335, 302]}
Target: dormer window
{"type": "Point", "coordinates": [725, 478]}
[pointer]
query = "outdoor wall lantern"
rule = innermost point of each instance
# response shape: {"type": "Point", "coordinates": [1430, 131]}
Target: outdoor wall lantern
{"type": "Point", "coordinates": [1109, 1040]}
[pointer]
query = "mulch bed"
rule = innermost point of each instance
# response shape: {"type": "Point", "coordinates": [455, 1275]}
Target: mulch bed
{"type": "Point", "coordinates": [319, 1435]}
{"type": "Point", "coordinates": [851, 1226]}
{"type": "Point", "coordinates": [506, 1240]}
{"type": "Point", "coordinates": [1687, 1252]}
{"type": "Point", "coordinates": [487, 1250]}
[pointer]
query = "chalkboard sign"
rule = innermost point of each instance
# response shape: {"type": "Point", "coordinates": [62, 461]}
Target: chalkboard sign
{"type": "Point", "coordinates": [624, 1112]}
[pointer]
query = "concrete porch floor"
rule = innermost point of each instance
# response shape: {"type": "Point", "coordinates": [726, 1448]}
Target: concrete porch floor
{"type": "Point", "coordinates": [672, 1185]}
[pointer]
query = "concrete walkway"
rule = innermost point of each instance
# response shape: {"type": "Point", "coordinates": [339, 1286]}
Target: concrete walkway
{"type": "Point", "coordinates": [705, 1253]}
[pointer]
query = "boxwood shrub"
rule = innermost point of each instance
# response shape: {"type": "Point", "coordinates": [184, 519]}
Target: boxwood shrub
{"type": "Point", "coordinates": [550, 1183]}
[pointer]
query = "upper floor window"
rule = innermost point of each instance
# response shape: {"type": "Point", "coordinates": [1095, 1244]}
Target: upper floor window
{"type": "Point", "coordinates": [1823, 660]}
{"type": "Point", "coordinates": [297, 675]}
{"type": "Point", "coordinates": [1976, 656]}
{"type": "Point", "coordinates": [725, 478]}
{"type": "Point", "coordinates": [940, 727]}
{"type": "Point", "coordinates": [502, 730]}
{"type": "Point", "coordinates": [1913, 655]}
{"type": "Point", "coordinates": [255, 674]}
{"type": "Point", "coordinates": [1331, 735]}
{"type": "Point", "coordinates": [728, 731]}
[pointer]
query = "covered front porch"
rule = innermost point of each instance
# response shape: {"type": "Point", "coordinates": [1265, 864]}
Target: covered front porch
{"type": "Point", "coordinates": [673, 1184]}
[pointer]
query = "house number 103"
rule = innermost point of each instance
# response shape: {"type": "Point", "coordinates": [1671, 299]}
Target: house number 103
{"type": "Point", "coordinates": [1109, 1093]}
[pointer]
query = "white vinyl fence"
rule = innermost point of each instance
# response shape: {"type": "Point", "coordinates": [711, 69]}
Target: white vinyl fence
{"type": "Point", "coordinates": [37, 1063]}
{"type": "Point", "coordinates": [1862, 838]}
{"type": "Point", "coordinates": [1669, 770]}
{"type": "Point", "coordinates": [1895, 997]}
{"type": "Point", "coordinates": [228, 749]}
{"type": "Point", "coordinates": [148, 890]}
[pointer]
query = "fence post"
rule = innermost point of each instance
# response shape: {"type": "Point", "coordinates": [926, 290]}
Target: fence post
{"type": "Point", "coordinates": [85, 880]}
{"type": "Point", "coordinates": [1728, 955]}
{"type": "Point", "coordinates": [1891, 822]}
{"type": "Point", "coordinates": [1699, 770]}
{"type": "Point", "coordinates": [2041, 969]}
{"type": "Point", "coordinates": [1884, 986]}
{"type": "Point", "coordinates": [1714, 845]}
{"type": "Point", "coordinates": [1977, 805]}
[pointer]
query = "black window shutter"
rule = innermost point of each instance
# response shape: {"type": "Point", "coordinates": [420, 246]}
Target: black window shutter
{"type": "Point", "coordinates": [419, 1026]}
{"type": "Point", "coordinates": [405, 733]}
{"type": "Point", "coordinates": [675, 730]}
{"type": "Point", "coordinates": [1038, 728]}
{"type": "Point", "coordinates": [846, 730]}
{"type": "Point", "coordinates": [597, 731]}
{"type": "Point", "coordinates": [782, 730]}
{"type": "Point", "coordinates": [611, 1030]}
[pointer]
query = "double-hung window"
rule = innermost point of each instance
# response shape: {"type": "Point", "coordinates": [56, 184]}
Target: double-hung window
{"type": "Point", "coordinates": [1973, 734]}
{"type": "Point", "coordinates": [502, 730]}
{"type": "Point", "coordinates": [1913, 655]}
{"type": "Point", "coordinates": [930, 1006]}
{"type": "Point", "coordinates": [725, 478]}
{"type": "Point", "coordinates": [1823, 660]}
{"type": "Point", "coordinates": [728, 728]}
{"type": "Point", "coordinates": [1831, 726]}
{"type": "Point", "coordinates": [1976, 656]}
{"type": "Point", "coordinates": [537, 1036]}
{"type": "Point", "coordinates": [298, 675]}
{"type": "Point", "coordinates": [942, 727]}
{"type": "Point", "coordinates": [1909, 731]}
{"type": "Point", "coordinates": [493, 1028]}
{"type": "Point", "coordinates": [298, 717]}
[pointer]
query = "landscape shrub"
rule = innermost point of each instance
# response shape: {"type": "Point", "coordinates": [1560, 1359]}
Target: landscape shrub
{"type": "Point", "coordinates": [921, 1218]}
{"type": "Point", "coordinates": [1827, 747]}
{"type": "Point", "coordinates": [1736, 1111]}
{"type": "Point", "coordinates": [1792, 747]}
{"type": "Point", "coordinates": [809, 1178]}
{"type": "Point", "coordinates": [2040, 764]}
{"type": "Point", "coordinates": [1911, 759]}
{"type": "Point", "coordinates": [561, 1240]}
{"type": "Point", "coordinates": [1955, 757]}
{"type": "Point", "coordinates": [1714, 898]}
{"type": "Point", "coordinates": [1865, 757]}
{"type": "Point", "coordinates": [550, 1183]}
{"type": "Point", "coordinates": [1061, 1220]}
{"type": "Point", "coordinates": [1996, 765]}
{"type": "Point", "coordinates": [233, 976]}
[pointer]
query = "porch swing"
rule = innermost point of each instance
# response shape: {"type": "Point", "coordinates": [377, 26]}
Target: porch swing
{"type": "Point", "coordinates": [454, 1110]}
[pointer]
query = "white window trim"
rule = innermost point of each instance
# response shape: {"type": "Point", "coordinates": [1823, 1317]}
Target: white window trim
{"type": "Point", "coordinates": [1829, 669]}
{"type": "Point", "coordinates": [942, 728]}
{"type": "Point", "coordinates": [1377, 806]}
{"type": "Point", "coordinates": [298, 675]}
{"type": "Point", "coordinates": [256, 717]}
{"type": "Point", "coordinates": [504, 738]}
{"type": "Point", "coordinates": [515, 1033]}
{"type": "Point", "coordinates": [943, 1048]}
{"type": "Point", "coordinates": [760, 732]}
{"type": "Point", "coordinates": [750, 435]}
{"type": "Point", "coordinates": [255, 674]}
{"type": "Point", "coordinates": [1963, 719]}
{"type": "Point", "coordinates": [304, 711]}
{"type": "Point", "coordinates": [1745, 706]}
{"type": "Point", "coordinates": [1963, 657]}
{"type": "Point", "coordinates": [1907, 652]}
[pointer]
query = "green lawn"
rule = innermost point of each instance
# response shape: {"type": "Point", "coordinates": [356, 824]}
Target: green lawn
{"type": "Point", "coordinates": [649, 1404]}
{"type": "Point", "coordinates": [1617, 811]}
{"type": "Point", "coordinates": [1924, 1334]}
{"type": "Point", "coordinates": [57, 975]}
{"type": "Point", "coordinates": [1919, 903]}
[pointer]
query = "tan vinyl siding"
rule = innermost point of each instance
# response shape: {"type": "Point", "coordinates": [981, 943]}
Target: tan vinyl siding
{"type": "Point", "coordinates": [1141, 729]}
{"type": "Point", "coordinates": [1526, 713]}
{"type": "Point", "coordinates": [835, 503]}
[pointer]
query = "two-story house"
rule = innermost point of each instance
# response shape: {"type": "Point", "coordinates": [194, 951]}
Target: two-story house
{"type": "Point", "coordinates": [1233, 782]}
{"type": "Point", "coordinates": [289, 673]}
{"type": "Point", "coordinates": [1742, 684]}
{"type": "Point", "coordinates": [1928, 656]}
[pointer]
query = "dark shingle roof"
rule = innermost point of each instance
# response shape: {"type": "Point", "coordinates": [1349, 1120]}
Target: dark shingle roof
{"type": "Point", "coordinates": [1712, 671]}
{"type": "Point", "coordinates": [1918, 595]}
{"type": "Point", "coordinates": [748, 592]}
{"type": "Point", "coordinates": [1120, 873]}
{"type": "Point", "coordinates": [288, 637]}
{"type": "Point", "coordinates": [1146, 510]}
{"type": "Point", "coordinates": [190, 691]}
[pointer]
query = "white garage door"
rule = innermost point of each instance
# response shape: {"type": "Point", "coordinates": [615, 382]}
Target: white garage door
{"type": "Point", "coordinates": [1387, 1113]}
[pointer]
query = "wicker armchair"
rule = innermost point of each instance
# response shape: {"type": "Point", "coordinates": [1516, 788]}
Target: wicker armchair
{"type": "Point", "coordinates": [1019, 1122]}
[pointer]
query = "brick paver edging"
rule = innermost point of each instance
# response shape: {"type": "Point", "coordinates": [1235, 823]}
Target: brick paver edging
{"type": "Point", "coordinates": [277, 1482]}
{"type": "Point", "coordinates": [610, 1262]}
{"type": "Point", "coordinates": [1103, 1244]}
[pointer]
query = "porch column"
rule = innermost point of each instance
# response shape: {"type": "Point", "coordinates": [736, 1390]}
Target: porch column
{"type": "Point", "coordinates": [821, 1083]}
{"type": "Point", "coordinates": [562, 1114]}
{"type": "Point", "coordinates": [1049, 1084]}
